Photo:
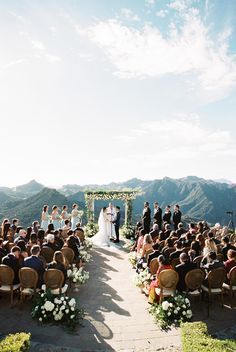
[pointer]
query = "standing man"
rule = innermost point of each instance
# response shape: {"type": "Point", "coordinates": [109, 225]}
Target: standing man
{"type": "Point", "coordinates": [157, 217]}
{"type": "Point", "coordinates": [176, 216]}
{"type": "Point", "coordinates": [167, 215]}
{"type": "Point", "coordinates": [117, 224]}
{"type": "Point", "coordinates": [146, 217]}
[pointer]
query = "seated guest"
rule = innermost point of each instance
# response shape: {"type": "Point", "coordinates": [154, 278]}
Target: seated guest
{"type": "Point", "coordinates": [192, 228]}
{"type": "Point", "coordinates": [163, 265]}
{"type": "Point", "coordinates": [59, 263]}
{"type": "Point", "coordinates": [35, 226]}
{"type": "Point", "coordinates": [195, 246]}
{"type": "Point", "coordinates": [3, 250]}
{"type": "Point", "coordinates": [50, 242]}
{"type": "Point", "coordinates": [187, 240]}
{"type": "Point", "coordinates": [34, 262]}
{"type": "Point", "coordinates": [226, 246]}
{"type": "Point", "coordinates": [15, 223]}
{"type": "Point", "coordinates": [22, 236]}
{"type": "Point", "coordinates": [40, 237]}
{"type": "Point", "coordinates": [200, 227]}
{"type": "Point", "coordinates": [50, 229]}
{"type": "Point", "coordinates": [169, 243]}
{"type": "Point", "coordinates": [180, 230]}
{"type": "Point", "coordinates": [211, 235]}
{"type": "Point", "coordinates": [28, 232]}
{"type": "Point", "coordinates": [23, 251]}
{"type": "Point", "coordinates": [154, 254]}
{"type": "Point", "coordinates": [12, 260]}
{"type": "Point", "coordinates": [155, 232]}
{"type": "Point", "coordinates": [182, 269]}
{"type": "Point", "coordinates": [59, 242]}
{"type": "Point", "coordinates": [231, 262]}
{"type": "Point", "coordinates": [140, 241]}
{"type": "Point", "coordinates": [72, 243]}
{"type": "Point", "coordinates": [166, 232]}
{"type": "Point", "coordinates": [67, 225]}
{"type": "Point", "coordinates": [16, 235]}
{"type": "Point", "coordinates": [5, 229]}
{"type": "Point", "coordinates": [177, 252]}
{"type": "Point", "coordinates": [147, 245]}
{"type": "Point", "coordinates": [213, 262]}
{"type": "Point", "coordinates": [201, 240]}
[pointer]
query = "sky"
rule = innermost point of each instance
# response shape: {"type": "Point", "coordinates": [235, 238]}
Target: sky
{"type": "Point", "coordinates": [101, 91]}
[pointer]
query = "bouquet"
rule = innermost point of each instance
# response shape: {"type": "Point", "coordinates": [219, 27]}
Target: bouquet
{"type": "Point", "coordinates": [133, 258]}
{"type": "Point", "coordinates": [85, 256]}
{"type": "Point", "coordinates": [90, 229]}
{"type": "Point", "coordinates": [87, 243]}
{"type": "Point", "coordinates": [172, 311]}
{"type": "Point", "coordinates": [48, 308]}
{"type": "Point", "coordinates": [78, 276]}
{"type": "Point", "coordinates": [142, 278]}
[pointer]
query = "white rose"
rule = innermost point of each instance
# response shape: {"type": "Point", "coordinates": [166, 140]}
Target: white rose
{"type": "Point", "coordinates": [184, 313]}
{"type": "Point", "coordinates": [49, 306]}
{"type": "Point", "coordinates": [169, 314]}
{"type": "Point", "coordinates": [165, 305]}
{"type": "Point", "coordinates": [175, 311]}
{"type": "Point", "coordinates": [67, 311]}
{"type": "Point", "coordinates": [72, 316]}
{"type": "Point", "coordinates": [40, 319]}
{"type": "Point", "coordinates": [72, 302]}
{"type": "Point", "coordinates": [187, 300]}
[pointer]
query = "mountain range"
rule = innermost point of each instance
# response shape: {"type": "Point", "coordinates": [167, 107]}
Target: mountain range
{"type": "Point", "coordinates": [198, 198]}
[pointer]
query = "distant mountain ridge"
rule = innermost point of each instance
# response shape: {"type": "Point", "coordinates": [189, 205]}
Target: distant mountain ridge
{"type": "Point", "coordinates": [198, 198]}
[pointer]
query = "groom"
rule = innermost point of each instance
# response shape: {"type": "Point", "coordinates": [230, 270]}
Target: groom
{"type": "Point", "coordinates": [116, 222]}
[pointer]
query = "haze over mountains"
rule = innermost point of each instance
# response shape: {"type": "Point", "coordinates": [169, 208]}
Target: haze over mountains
{"type": "Point", "coordinates": [199, 199]}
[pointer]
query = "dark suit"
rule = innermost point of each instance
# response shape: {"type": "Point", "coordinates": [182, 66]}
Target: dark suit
{"type": "Point", "coordinates": [35, 263]}
{"type": "Point", "coordinates": [117, 226]}
{"type": "Point", "coordinates": [176, 218]}
{"type": "Point", "coordinates": [180, 232]}
{"type": "Point", "coordinates": [154, 233]}
{"type": "Point", "coordinates": [147, 219]}
{"type": "Point", "coordinates": [11, 261]}
{"type": "Point", "coordinates": [175, 254]}
{"type": "Point", "coordinates": [53, 246]}
{"type": "Point", "coordinates": [182, 270]}
{"type": "Point", "coordinates": [158, 217]}
{"type": "Point", "coordinates": [153, 255]}
{"type": "Point", "coordinates": [167, 217]}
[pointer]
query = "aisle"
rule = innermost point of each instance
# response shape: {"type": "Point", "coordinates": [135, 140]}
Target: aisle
{"type": "Point", "coordinates": [117, 317]}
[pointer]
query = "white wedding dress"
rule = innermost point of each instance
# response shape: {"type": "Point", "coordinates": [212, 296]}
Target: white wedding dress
{"type": "Point", "coordinates": [101, 239]}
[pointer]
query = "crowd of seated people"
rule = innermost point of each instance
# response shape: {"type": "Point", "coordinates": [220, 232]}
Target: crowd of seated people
{"type": "Point", "coordinates": [21, 247]}
{"type": "Point", "coordinates": [183, 248]}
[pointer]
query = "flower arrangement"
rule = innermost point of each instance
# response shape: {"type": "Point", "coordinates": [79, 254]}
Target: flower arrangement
{"type": "Point", "coordinates": [172, 311]}
{"type": "Point", "coordinates": [133, 258]}
{"type": "Point", "coordinates": [48, 308]}
{"type": "Point", "coordinates": [88, 244]}
{"type": "Point", "coordinates": [85, 256]}
{"type": "Point", "coordinates": [78, 276]}
{"type": "Point", "coordinates": [142, 278]}
{"type": "Point", "coordinates": [90, 229]}
{"type": "Point", "coordinates": [127, 231]}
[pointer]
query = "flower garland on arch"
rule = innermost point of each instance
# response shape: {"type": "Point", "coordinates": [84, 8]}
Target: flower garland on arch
{"type": "Point", "coordinates": [109, 195]}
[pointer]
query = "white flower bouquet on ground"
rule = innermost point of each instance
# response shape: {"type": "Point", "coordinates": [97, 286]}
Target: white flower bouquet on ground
{"type": "Point", "coordinates": [172, 311]}
{"type": "Point", "coordinates": [143, 278]}
{"type": "Point", "coordinates": [85, 256]}
{"type": "Point", "coordinates": [48, 308]}
{"type": "Point", "coordinates": [133, 258]}
{"type": "Point", "coordinates": [88, 244]}
{"type": "Point", "coordinates": [78, 276]}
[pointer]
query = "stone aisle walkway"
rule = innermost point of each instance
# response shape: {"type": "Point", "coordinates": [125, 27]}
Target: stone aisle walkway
{"type": "Point", "coordinates": [116, 319]}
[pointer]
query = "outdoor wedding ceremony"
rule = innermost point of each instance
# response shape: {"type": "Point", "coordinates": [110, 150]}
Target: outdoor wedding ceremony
{"type": "Point", "coordinates": [118, 201]}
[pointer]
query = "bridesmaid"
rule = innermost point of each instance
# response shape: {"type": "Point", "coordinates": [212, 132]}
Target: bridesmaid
{"type": "Point", "coordinates": [75, 218]}
{"type": "Point", "coordinates": [56, 218]}
{"type": "Point", "coordinates": [45, 218]}
{"type": "Point", "coordinates": [64, 215]}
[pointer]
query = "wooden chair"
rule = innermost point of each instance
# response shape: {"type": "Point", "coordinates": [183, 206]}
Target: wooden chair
{"type": "Point", "coordinates": [81, 236]}
{"type": "Point", "coordinates": [153, 266]}
{"type": "Point", "coordinates": [220, 257]}
{"type": "Point", "coordinates": [53, 279]}
{"type": "Point", "coordinates": [6, 281]}
{"type": "Point", "coordinates": [215, 281]}
{"type": "Point", "coordinates": [47, 253]}
{"type": "Point", "coordinates": [161, 245]}
{"type": "Point", "coordinates": [175, 262]}
{"type": "Point", "coordinates": [64, 234]}
{"type": "Point", "coordinates": [198, 260]}
{"type": "Point", "coordinates": [193, 280]}
{"type": "Point", "coordinates": [28, 282]}
{"type": "Point", "coordinates": [168, 280]}
{"type": "Point", "coordinates": [68, 254]}
{"type": "Point", "coordinates": [231, 286]}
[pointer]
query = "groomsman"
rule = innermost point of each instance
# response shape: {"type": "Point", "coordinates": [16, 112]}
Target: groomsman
{"type": "Point", "coordinates": [117, 224]}
{"type": "Point", "coordinates": [167, 215]}
{"type": "Point", "coordinates": [146, 217]}
{"type": "Point", "coordinates": [157, 217]}
{"type": "Point", "coordinates": [176, 216]}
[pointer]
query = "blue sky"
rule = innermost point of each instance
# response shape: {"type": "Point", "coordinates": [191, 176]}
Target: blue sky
{"type": "Point", "coordinates": [102, 91]}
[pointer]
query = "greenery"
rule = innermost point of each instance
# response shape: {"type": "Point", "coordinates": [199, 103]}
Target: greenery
{"type": "Point", "coordinates": [195, 338]}
{"type": "Point", "coordinates": [19, 342]}
{"type": "Point", "coordinates": [56, 309]}
{"type": "Point", "coordinates": [172, 311]}
{"type": "Point", "coordinates": [127, 231]}
{"type": "Point", "coordinates": [90, 229]}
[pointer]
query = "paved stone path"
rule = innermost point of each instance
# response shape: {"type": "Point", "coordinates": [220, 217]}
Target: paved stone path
{"type": "Point", "coordinates": [116, 314]}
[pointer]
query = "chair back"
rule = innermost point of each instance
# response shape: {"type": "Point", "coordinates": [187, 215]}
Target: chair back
{"type": "Point", "coordinates": [161, 245]}
{"type": "Point", "coordinates": [186, 250]}
{"type": "Point", "coordinates": [175, 262]}
{"type": "Point", "coordinates": [153, 266]}
{"type": "Point", "coordinates": [198, 260]}
{"type": "Point", "coordinates": [194, 279]}
{"type": "Point", "coordinates": [216, 278]}
{"type": "Point", "coordinates": [81, 235]}
{"type": "Point", "coordinates": [64, 234]}
{"type": "Point", "coordinates": [6, 275]}
{"type": "Point", "coordinates": [28, 278]}
{"type": "Point", "coordinates": [232, 276]}
{"type": "Point", "coordinates": [220, 257]}
{"type": "Point", "coordinates": [168, 279]}
{"type": "Point", "coordinates": [68, 254]}
{"type": "Point", "coordinates": [47, 253]}
{"type": "Point", "coordinates": [53, 279]}
{"type": "Point", "coordinates": [233, 238]}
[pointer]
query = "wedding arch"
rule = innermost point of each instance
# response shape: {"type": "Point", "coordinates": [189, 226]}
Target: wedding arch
{"type": "Point", "coordinates": [127, 196]}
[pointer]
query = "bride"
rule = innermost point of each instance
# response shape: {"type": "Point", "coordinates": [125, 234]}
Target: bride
{"type": "Point", "coordinates": [101, 239]}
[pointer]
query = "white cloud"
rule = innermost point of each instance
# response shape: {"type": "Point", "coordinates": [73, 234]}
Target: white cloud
{"type": "Point", "coordinates": [161, 13]}
{"type": "Point", "coordinates": [129, 15]}
{"type": "Point", "coordinates": [150, 2]}
{"type": "Point", "coordinates": [36, 44]}
{"type": "Point", "coordinates": [187, 49]}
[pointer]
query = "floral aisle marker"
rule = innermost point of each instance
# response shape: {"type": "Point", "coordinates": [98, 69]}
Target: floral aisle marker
{"type": "Point", "coordinates": [142, 279]}
{"type": "Point", "coordinates": [78, 276]}
{"type": "Point", "coordinates": [48, 308]}
{"type": "Point", "coordinates": [172, 311]}
{"type": "Point", "coordinates": [133, 259]}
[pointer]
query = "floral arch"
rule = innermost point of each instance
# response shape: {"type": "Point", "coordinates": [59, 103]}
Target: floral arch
{"type": "Point", "coordinates": [127, 196]}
